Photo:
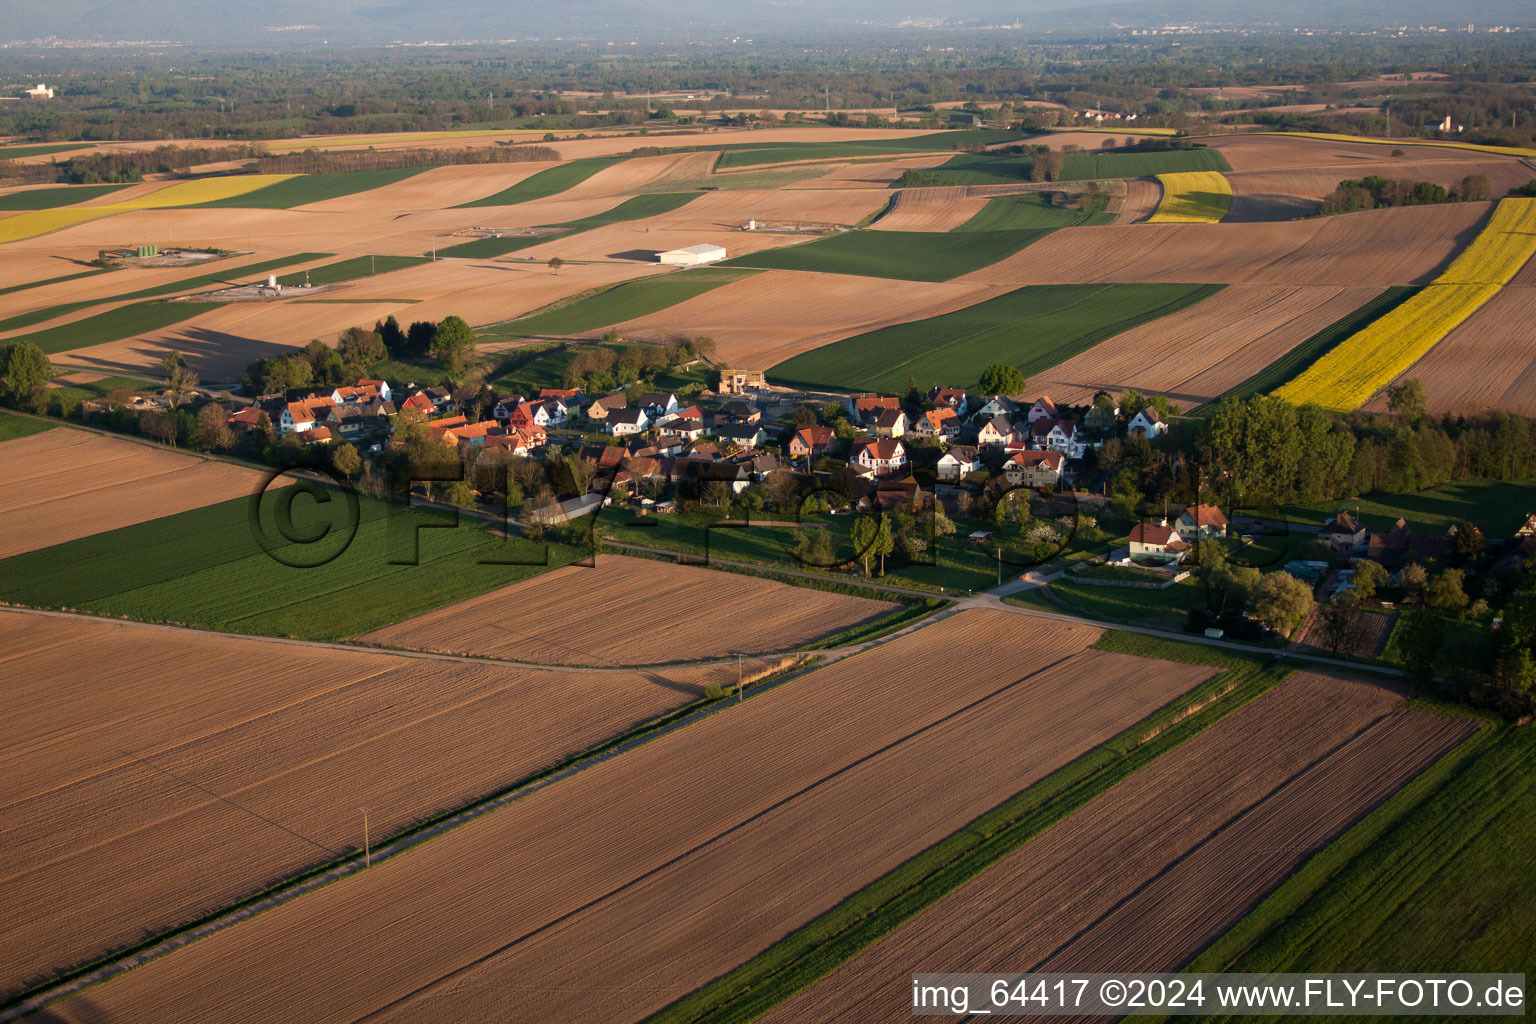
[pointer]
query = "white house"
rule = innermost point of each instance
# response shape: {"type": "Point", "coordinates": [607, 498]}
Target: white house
{"type": "Point", "coordinates": [1147, 423]}
{"type": "Point", "coordinates": [41, 92]}
{"type": "Point", "coordinates": [884, 456]}
{"type": "Point", "coordinates": [997, 405]}
{"type": "Point", "coordinates": [692, 255]}
{"type": "Point", "coordinates": [941, 423]}
{"type": "Point", "coordinates": [994, 433]}
{"type": "Point", "coordinates": [1043, 409]}
{"type": "Point", "coordinates": [1034, 469]}
{"type": "Point", "coordinates": [1157, 539]}
{"type": "Point", "coordinates": [1199, 522]}
{"type": "Point", "coordinates": [624, 422]}
{"type": "Point", "coordinates": [1059, 436]}
{"type": "Point", "coordinates": [956, 463]}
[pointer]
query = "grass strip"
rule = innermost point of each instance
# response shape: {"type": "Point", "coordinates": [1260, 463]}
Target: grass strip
{"type": "Point", "coordinates": [351, 270]}
{"type": "Point", "coordinates": [17, 152]}
{"type": "Point", "coordinates": [820, 947]}
{"type": "Point", "coordinates": [116, 324]}
{"type": "Point", "coordinates": [751, 154]}
{"type": "Point", "coordinates": [1285, 369]}
{"type": "Point", "coordinates": [312, 188]}
{"type": "Point", "coordinates": [629, 300]}
{"type": "Point", "coordinates": [13, 426]}
{"type": "Point", "coordinates": [184, 285]}
{"type": "Point", "coordinates": [51, 280]}
{"type": "Point", "coordinates": [547, 183]}
{"type": "Point", "coordinates": [49, 198]}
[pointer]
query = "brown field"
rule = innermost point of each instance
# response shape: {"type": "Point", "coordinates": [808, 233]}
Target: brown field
{"type": "Point", "coordinates": [1142, 195]}
{"type": "Point", "coordinates": [64, 484]}
{"type": "Point", "coordinates": [1204, 350]}
{"type": "Point", "coordinates": [23, 266]}
{"type": "Point", "coordinates": [874, 174]}
{"type": "Point", "coordinates": [624, 872]}
{"type": "Point", "coordinates": [138, 797]}
{"type": "Point", "coordinates": [436, 189]}
{"type": "Point", "coordinates": [571, 149]}
{"type": "Point", "coordinates": [930, 209]}
{"type": "Point", "coordinates": [1403, 245]}
{"type": "Point", "coordinates": [732, 209]}
{"type": "Point", "coordinates": [630, 611]}
{"type": "Point", "coordinates": [1174, 855]}
{"type": "Point", "coordinates": [1282, 195]}
{"type": "Point", "coordinates": [1369, 642]}
{"type": "Point", "coordinates": [646, 172]}
{"type": "Point", "coordinates": [220, 343]}
{"type": "Point", "coordinates": [1486, 363]}
{"type": "Point", "coordinates": [776, 314]}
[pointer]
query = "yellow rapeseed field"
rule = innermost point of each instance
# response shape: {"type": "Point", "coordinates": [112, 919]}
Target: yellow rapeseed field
{"type": "Point", "coordinates": [188, 193]}
{"type": "Point", "coordinates": [1346, 377]}
{"type": "Point", "coordinates": [1193, 197]}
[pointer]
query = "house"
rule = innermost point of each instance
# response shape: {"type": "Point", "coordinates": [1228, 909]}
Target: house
{"type": "Point", "coordinates": [318, 435]}
{"type": "Point", "coordinates": [360, 418]}
{"type": "Point", "coordinates": [881, 457]}
{"type": "Point", "coordinates": [442, 400]}
{"type": "Point", "coordinates": [446, 429]}
{"type": "Point", "coordinates": [688, 429]}
{"type": "Point", "coordinates": [949, 398]}
{"type": "Point", "coordinates": [39, 92]}
{"type": "Point", "coordinates": [811, 442]}
{"type": "Point", "coordinates": [890, 423]}
{"type": "Point", "coordinates": [570, 396]}
{"type": "Point", "coordinates": [738, 411]}
{"type": "Point", "coordinates": [760, 464]}
{"type": "Point", "coordinates": [1342, 533]}
{"type": "Point", "coordinates": [598, 411]}
{"type": "Point", "coordinates": [743, 435]}
{"type": "Point", "coordinates": [419, 402]}
{"type": "Point", "coordinates": [998, 405]}
{"type": "Point", "coordinates": [624, 422]}
{"type": "Point", "coordinates": [941, 423]}
{"type": "Point", "coordinates": [606, 457]}
{"type": "Point", "coordinates": [867, 408]}
{"type": "Point", "coordinates": [1157, 540]}
{"type": "Point", "coordinates": [658, 406]}
{"type": "Point", "coordinates": [299, 417]}
{"type": "Point", "coordinates": [503, 409]}
{"type": "Point", "coordinates": [967, 119]}
{"type": "Point", "coordinates": [995, 433]}
{"type": "Point", "coordinates": [739, 382]}
{"type": "Point", "coordinates": [518, 441]}
{"type": "Point", "coordinates": [1148, 423]}
{"type": "Point", "coordinates": [1043, 409]}
{"type": "Point", "coordinates": [1200, 522]}
{"type": "Point", "coordinates": [248, 418]}
{"type": "Point", "coordinates": [1394, 547]}
{"type": "Point", "coordinates": [1034, 469]}
{"type": "Point", "coordinates": [889, 495]}
{"type": "Point", "coordinates": [1058, 436]}
{"type": "Point", "coordinates": [956, 464]}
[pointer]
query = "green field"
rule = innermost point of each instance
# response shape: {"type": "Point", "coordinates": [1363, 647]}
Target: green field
{"type": "Point", "coordinates": [1157, 609]}
{"type": "Point", "coordinates": [17, 152]}
{"type": "Point", "coordinates": [13, 426]}
{"type": "Point", "coordinates": [1438, 878]}
{"type": "Point", "coordinates": [633, 208]}
{"type": "Point", "coordinates": [352, 269]}
{"type": "Point", "coordinates": [1287, 367]}
{"type": "Point", "coordinates": [1497, 506]}
{"type": "Point", "coordinates": [186, 284]}
{"type": "Point", "coordinates": [821, 946]}
{"type": "Point", "coordinates": [553, 181]}
{"type": "Point", "coordinates": [627, 301]}
{"type": "Point", "coordinates": [50, 280]}
{"type": "Point", "coordinates": [1031, 212]}
{"type": "Point", "coordinates": [1033, 328]}
{"type": "Point", "coordinates": [115, 324]}
{"type": "Point", "coordinates": [49, 198]}
{"type": "Point", "coordinates": [63, 399]}
{"type": "Point", "coordinates": [206, 568]}
{"type": "Point", "coordinates": [1008, 169]}
{"type": "Point", "coordinates": [313, 188]}
{"type": "Point", "coordinates": [751, 154]}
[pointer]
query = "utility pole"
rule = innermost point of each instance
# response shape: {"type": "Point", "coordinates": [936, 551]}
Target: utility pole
{"type": "Point", "coordinates": [367, 847]}
{"type": "Point", "coordinates": [371, 268]}
{"type": "Point", "coordinates": [739, 697]}
{"type": "Point", "coordinates": [999, 563]}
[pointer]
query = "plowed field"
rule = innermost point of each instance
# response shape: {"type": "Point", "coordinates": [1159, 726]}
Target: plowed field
{"type": "Point", "coordinates": [1144, 876]}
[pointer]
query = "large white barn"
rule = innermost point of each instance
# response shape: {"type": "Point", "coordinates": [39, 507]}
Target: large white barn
{"type": "Point", "coordinates": [693, 255]}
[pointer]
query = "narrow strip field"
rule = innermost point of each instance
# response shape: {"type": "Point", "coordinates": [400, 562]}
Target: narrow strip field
{"type": "Point", "coordinates": [552, 181]}
{"type": "Point", "coordinates": [633, 208]}
{"type": "Point", "coordinates": [66, 484]}
{"type": "Point", "coordinates": [621, 302]}
{"type": "Point", "coordinates": [556, 906]}
{"type": "Point", "coordinates": [189, 193]}
{"type": "Point", "coordinates": [1031, 328]}
{"type": "Point", "coordinates": [314, 188]}
{"type": "Point", "coordinates": [1193, 197]}
{"type": "Point", "coordinates": [1175, 853]}
{"type": "Point", "coordinates": [51, 198]}
{"type": "Point", "coordinates": [1202, 351]}
{"type": "Point", "coordinates": [140, 796]}
{"type": "Point", "coordinates": [632, 612]}
{"type": "Point", "coordinates": [1347, 377]}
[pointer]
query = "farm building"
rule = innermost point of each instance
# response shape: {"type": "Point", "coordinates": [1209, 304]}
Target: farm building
{"type": "Point", "coordinates": [693, 255]}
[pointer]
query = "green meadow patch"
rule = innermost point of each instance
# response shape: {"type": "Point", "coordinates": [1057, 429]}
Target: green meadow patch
{"type": "Point", "coordinates": [750, 154]}
{"type": "Point", "coordinates": [115, 324]}
{"type": "Point", "coordinates": [627, 301]}
{"type": "Point", "coordinates": [51, 198]}
{"type": "Point", "coordinates": [1010, 169]}
{"type": "Point", "coordinates": [553, 181]}
{"type": "Point", "coordinates": [633, 208]}
{"type": "Point", "coordinates": [208, 568]}
{"type": "Point", "coordinates": [13, 426]}
{"type": "Point", "coordinates": [17, 152]}
{"type": "Point", "coordinates": [1033, 328]}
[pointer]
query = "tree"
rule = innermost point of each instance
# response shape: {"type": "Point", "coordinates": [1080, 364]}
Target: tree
{"type": "Point", "coordinates": [212, 430]}
{"type": "Point", "coordinates": [555, 263]}
{"type": "Point", "coordinates": [362, 347]}
{"type": "Point", "coordinates": [346, 460]}
{"type": "Point", "coordinates": [1369, 576]}
{"type": "Point", "coordinates": [1469, 541]}
{"type": "Point", "coordinates": [1446, 593]}
{"type": "Point", "coordinates": [159, 424]}
{"type": "Point", "coordinates": [872, 536]}
{"type": "Point", "coordinates": [1282, 601]}
{"type": "Point", "coordinates": [1420, 634]}
{"type": "Point", "coordinates": [25, 370]}
{"type": "Point", "coordinates": [716, 493]}
{"type": "Point", "coordinates": [1002, 379]}
{"type": "Point", "coordinates": [418, 339]}
{"type": "Point", "coordinates": [1340, 621]}
{"type": "Point", "coordinates": [393, 337]}
{"type": "Point", "coordinates": [1414, 578]}
{"type": "Point", "coordinates": [454, 346]}
{"type": "Point", "coordinates": [181, 379]}
{"type": "Point", "coordinates": [1408, 401]}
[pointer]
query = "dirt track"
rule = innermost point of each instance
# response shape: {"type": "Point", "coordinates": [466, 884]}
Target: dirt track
{"type": "Point", "coordinates": [1144, 876]}
{"type": "Point", "coordinates": [575, 868]}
